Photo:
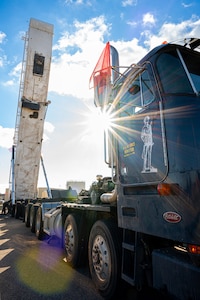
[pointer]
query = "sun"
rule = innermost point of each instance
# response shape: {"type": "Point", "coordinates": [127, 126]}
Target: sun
{"type": "Point", "coordinates": [98, 121]}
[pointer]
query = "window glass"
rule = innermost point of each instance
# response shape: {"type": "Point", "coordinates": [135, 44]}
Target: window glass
{"type": "Point", "coordinates": [172, 74]}
{"type": "Point", "coordinates": [147, 88]}
{"type": "Point", "coordinates": [193, 64]}
{"type": "Point", "coordinates": [138, 92]}
{"type": "Point", "coordinates": [38, 66]}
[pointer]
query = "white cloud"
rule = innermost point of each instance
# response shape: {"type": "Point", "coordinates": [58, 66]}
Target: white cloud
{"type": "Point", "coordinates": [16, 71]}
{"type": "Point", "coordinates": [48, 129]}
{"type": "Point", "coordinates": [6, 137]}
{"type": "Point", "coordinates": [1, 61]}
{"type": "Point", "coordinates": [129, 52]}
{"type": "Point", "coordinates": [91, 32]}
{"type": "Point", "coordinates": [132, 23]}
{"type": "Point", "coordinates": [2, 37]}
{"type": "Point", "coordinates": [8, 83]}
{"type": "Point", "coordinates": [129, 3]}
{"type": "Point", "coordinates": [171, 32]}
{"type": "Point", "coordinates": [148, 19]}
{"type": "Point", "coordinates": [77, 2]}
{"type": "Point", "coordinates": [185, 5]}
{"type": "Point", "coordinates": [78, 54]}
{"type": "Point", "coordinates": [2, 57]}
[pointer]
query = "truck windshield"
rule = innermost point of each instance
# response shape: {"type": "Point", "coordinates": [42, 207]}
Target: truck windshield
{"type": "Point", "coordinates": [174, 77]}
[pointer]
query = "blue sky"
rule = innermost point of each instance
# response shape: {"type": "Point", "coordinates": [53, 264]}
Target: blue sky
{"type": "Point", "coordinates": [72, 147]}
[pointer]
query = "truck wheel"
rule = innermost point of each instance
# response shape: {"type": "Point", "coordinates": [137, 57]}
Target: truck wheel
{"type": "Point", "coordinates": [39, 224]}
{"type": "Point", "coordinates": [71, 240]}
{"type": "Point", "coordinates": [27, 214]}
{"type": "Point", "coordinates": [104, 257]}
{"type": "Point", "coordinates": [33, 212]}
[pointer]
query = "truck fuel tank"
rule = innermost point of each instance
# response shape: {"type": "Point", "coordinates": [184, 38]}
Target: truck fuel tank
{"type": "Point", "coordinates": [53, 222]}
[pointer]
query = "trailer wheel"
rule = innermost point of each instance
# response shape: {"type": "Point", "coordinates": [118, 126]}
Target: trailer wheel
{"type": "Point", "coordinates": [39, 224]}
{"type": "Point", "coordinates": [33, 212]}
{"type": "Point", "coordinates": [17, 210]}
{"type": "Point", "coordinates": [104, 257]}
{"type": "Point", "coordinates": [71, 240]}
{"type": "Point", "coordinates": [23, 212]}
{"type": "Point", "coordinates": [27, 214]}
{"type": "Point", "coordinates": [13, 210]}
{"type": "Point", "coordinates": [6, 211]}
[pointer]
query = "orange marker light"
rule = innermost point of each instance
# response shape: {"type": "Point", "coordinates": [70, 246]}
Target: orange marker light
{"type": "Point", "coordinates": [164, 189]}
{"type": "Point", "coordinates": [194, 249]}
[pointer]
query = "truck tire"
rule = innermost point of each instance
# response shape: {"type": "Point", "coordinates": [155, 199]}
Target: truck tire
{"type": "Point", "coordinates": [33, 212]}
{"type": "Point", "coordinates": [71, 240]}
{"type": "Point", "coordinates": [105, 257]}
{"type": "Point", "coordinates": [39, 224]}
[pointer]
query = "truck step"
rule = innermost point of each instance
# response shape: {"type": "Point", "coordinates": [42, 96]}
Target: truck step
{"type": "Point", "coordinates": [128, 279]}
{"type": "Point", "coordinates": [129, 247]}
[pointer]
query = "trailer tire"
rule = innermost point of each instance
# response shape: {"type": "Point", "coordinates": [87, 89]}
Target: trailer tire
{"type": "Point", "coordinates": [39, 224]}
{"type": "Point", "coordinates": [33, 212]}
{"type": "Point", "coordinates": [13, 210]}
{"type": "Point", "coordinates": [105, 257]}
{"type": "Point", "coordinates": [71, 240]}
{"type": "Point", "coordinates": [27, 214]}
{"type": "Point", "coordinates": [17, 210]}
{"type": "Point", "coordinates": [6, 210]}
{"type": "Point", "coordinates": [23, 212]}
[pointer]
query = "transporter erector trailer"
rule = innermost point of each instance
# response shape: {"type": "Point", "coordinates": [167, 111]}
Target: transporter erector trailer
{"type": "Point", "coordinates": [147, 231]}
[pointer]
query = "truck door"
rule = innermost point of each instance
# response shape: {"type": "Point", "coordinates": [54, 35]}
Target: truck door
{"type": "Point", "coordinates": [140, 134]}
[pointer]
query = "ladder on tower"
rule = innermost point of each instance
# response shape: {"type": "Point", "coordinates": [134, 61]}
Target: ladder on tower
{"type": "Point", "coordinates": [21, 88]}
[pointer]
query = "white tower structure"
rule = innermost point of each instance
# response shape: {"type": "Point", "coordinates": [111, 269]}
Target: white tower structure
{"type": "Point", "coordinates": [32, 106]}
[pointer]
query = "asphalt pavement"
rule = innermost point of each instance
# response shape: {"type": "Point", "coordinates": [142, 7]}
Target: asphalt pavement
{"type": "Point", "coordinates": [36, 270]}
{"type": "Point", "coordinates": [32, 270]}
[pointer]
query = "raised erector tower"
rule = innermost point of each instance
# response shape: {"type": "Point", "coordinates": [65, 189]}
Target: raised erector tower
{"type": "Point", "coordinates": [32, 106]}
